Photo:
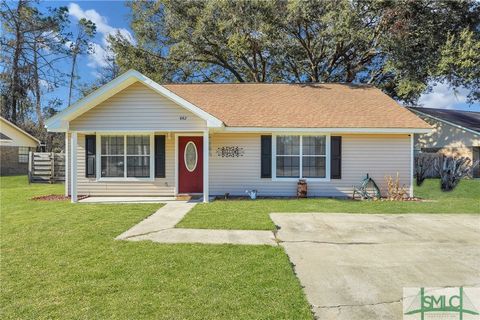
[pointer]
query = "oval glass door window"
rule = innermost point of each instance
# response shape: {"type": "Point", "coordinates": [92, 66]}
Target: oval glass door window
{"type": "Point", "coordinates": [190, 156]}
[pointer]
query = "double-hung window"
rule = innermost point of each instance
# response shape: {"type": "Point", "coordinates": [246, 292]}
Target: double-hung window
{"type": "Point", "coordinates": [288, 156]}
{"type": "Point", "coordinates": [125, 156]}
{"type": "Point", "coordinates": [138, 156]}
{"type": "Point", "coordinates": [23, 154]}
{"type": "Point", "coordinates": [301, 157]}
{"type": "Point", "coordinates": [314, 159]}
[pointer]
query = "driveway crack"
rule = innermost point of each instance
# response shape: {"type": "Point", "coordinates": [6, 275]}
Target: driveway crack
{"type": "Point", "coordinates": [144, 234]}
{"type": "Point", "coordinates": [358, 305]}
{"type": "Point", "coordinates": [383, 302]}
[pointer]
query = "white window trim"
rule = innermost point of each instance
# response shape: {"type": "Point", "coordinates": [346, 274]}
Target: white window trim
{"type": "Point", "coordinates": [327, 157]}
{"type": "Point", "coordinates": [98, 155]}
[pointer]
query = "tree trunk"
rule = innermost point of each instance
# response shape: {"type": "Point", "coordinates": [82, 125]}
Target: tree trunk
{"type": "Point", "coordinates": [72, 75]}
{"type": "Point", "coordinates": [38, 97]}
{"type": "Point", "coordinates": [15, 64]}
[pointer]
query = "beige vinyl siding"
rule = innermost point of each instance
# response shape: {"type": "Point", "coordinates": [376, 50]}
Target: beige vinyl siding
{"type": "Point", "coordinates": [446, 139]}
{"type": "Point", "coordinates": [445, 135]}
{"type": "Point", "coordinates": [378, 155]}
{"type": "Point", "coordinates": [158, 187]}
{"type": "Point", "coordinates": [18, 138]}
{"type": "Point", "coordinates": [137, 108]}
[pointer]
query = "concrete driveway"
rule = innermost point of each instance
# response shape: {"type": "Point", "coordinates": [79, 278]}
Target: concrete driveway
{"type": "Point", "coordinates": [354, 266]}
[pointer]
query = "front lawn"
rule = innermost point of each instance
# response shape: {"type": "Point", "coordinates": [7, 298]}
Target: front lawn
{"type": "Point", "coordinates": [253, 215]}
{"type": "Point", "coordinates": [60, 261]}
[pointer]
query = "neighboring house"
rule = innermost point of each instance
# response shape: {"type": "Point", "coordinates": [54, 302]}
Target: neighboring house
{"type": "Point", "coordinates": [455, 133]}
{"type": "Point", "coordinates": [15, 144]}
{"type": "Point", "coordinates": [134, 136]}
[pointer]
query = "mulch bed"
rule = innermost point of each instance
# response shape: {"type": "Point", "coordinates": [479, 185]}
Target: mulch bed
{"type": "Point", "coordinates": [403, 199]}
{"type": "Point", "coordinates": [56, 197]}
{"type": "Point", "coordinates": [336, 198]}
{"type": "Point", "coordinates": [409, 199]}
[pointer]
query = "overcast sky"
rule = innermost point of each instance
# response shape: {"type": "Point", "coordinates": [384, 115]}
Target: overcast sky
{"type": "Point", "coordinates": [112, 16]}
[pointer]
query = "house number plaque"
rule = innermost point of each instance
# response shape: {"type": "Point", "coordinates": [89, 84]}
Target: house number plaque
{"type": "Point", "coordinates": [230, 152]}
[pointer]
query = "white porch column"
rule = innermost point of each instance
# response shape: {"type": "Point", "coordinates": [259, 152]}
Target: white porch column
{"type": "Point", "coordinates": [67, 158]}
{"type": "Point", "coordinates": [412, 163]}
{"type": "Point", "coordinates": [73, 167]}
{"type": "Point", "coordinates": [205, 166]}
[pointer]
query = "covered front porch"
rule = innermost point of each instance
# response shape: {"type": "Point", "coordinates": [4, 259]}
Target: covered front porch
{"type": "Point", "coordinates": [100, 199]}
{"type": "Point", "coordinates": [137, 166]}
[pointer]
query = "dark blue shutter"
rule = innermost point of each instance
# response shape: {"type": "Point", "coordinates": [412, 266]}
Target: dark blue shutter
{"type": "Point", "coordinates": [336, 157]}
{"type": "Point", "coordinates": [266, 156]}
{"type": "Point", "coordinates": [90, 153]}
{"type": "Point", "coordinates": [159, 156]}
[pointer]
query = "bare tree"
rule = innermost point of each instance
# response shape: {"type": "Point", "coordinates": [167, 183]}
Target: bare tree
{"type": "Point", "coordinates": [424, 163]}
{"type": "Point", "coordinates": [80, 45]}
{"type": "Point", "coordinates": [452, 170]}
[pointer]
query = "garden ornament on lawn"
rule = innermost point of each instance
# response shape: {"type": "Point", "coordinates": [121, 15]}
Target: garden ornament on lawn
{"type": "Point", "coordinates": [368, 189]}
{"type": "Point", "coordinates": [252, 194]}
{"type": "Point", "coordinates": [302, 188]}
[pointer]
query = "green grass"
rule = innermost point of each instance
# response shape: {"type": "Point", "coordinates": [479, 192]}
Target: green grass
{"type": "Point", "coordinates": [59, 261]}
{"type": "Point", "coordinates": [246, 214]}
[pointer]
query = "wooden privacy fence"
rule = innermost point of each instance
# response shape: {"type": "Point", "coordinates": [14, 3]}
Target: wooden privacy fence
{"type": "Point", "coordinates": [46, 167]}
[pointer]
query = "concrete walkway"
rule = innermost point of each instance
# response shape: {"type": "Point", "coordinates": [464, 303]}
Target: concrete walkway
{"type": "Point", "coordinates": [209, 236]}
{"type": "Point", "coordinates": [165, 218]}
{"type": "Point", "coordinates": [160, 227]}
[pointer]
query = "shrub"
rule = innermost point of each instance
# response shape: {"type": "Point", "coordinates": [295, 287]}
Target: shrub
{"type": "Point", "coordinates": [452, 170]}
{"type": "Point", "coordinates": [394, 190]}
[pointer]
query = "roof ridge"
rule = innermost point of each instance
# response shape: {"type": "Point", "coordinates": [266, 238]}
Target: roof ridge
{"type": "Point", "coordinates": [271, 83]}
{"type": "Point", "coordinates": [440, 109]}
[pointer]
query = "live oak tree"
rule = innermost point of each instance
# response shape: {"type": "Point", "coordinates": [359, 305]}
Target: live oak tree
{"type": "Point", "coordinates": [460, 62]}
{"type": "Point", "coordinates": [399, 46]}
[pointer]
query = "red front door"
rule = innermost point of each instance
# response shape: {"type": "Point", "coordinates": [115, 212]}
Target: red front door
{"type": "Point", "coordinates": [190, 164]}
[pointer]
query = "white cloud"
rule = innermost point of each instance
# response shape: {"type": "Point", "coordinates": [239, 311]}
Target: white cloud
{"type": "Point", "coordinates": [443, 96]}
{"type": "Point", "coordinates": [44, 84]}
{"type": "Point", "coordinates": [98, 58]}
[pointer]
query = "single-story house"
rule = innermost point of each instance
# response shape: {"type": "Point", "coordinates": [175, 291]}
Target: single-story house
{"type": "Point", "coordinates": [15, 145]}
{"type": "Point", "coordinates": [455, 133]}
{"type": "Point", "coordinates": [134, 136]}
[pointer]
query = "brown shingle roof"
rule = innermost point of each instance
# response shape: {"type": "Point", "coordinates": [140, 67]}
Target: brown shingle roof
{"type": "Point", "coordinates": [298, 105]}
